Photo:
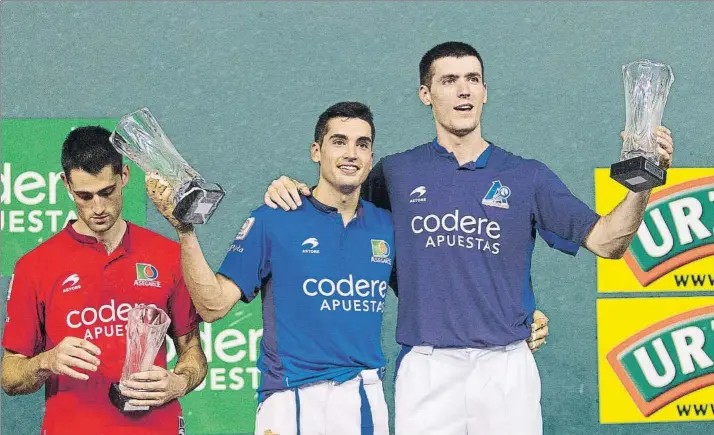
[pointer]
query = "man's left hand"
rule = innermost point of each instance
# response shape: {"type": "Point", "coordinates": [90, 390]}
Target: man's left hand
{"type": "Point", "coordinates": [665, 145]}
{"type": "Point", "coordinates": [154, 387]}
{"type": "Point", "coordinates": [539, 330]}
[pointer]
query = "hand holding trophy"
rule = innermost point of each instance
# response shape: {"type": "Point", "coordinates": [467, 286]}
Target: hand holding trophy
{"type": "Point", "coordinates": [140, 138]}
{"type": "Point", "coordinates": [647, 85]}
{"type": "Point", "coordinates": [145, 333]}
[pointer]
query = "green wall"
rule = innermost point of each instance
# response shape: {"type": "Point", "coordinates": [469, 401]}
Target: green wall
{"type": "Point", "coordinates": [238, 87]}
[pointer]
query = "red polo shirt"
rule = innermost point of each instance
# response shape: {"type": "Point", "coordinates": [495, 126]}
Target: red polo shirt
{"type": "Point", "coordinates": [69, 286]}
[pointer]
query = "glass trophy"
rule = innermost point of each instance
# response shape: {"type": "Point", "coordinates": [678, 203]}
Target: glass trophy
{"type": "Point", "coordinates": [140, 138]}
{"type": "Point", "coordinates": [646, 88]}
{"type": "Point", "coordinates": [145, 333]}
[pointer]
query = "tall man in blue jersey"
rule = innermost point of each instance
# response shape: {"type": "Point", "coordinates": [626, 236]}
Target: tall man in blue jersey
{"type": "Point", "coordinates": [323, 274]}
{"type": "Point", "coordinates": [465, 216]}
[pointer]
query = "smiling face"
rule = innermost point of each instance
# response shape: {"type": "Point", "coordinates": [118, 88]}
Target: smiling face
{"type": "Point", "coordinates": [345, 154]}
{"type": "Point", "coordinates": [98, 198]}
{"type": "Point", "coordinates": [456, 94]}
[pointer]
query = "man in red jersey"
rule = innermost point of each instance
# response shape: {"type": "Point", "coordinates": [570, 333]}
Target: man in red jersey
{"type": "Point", "coordinates": [68, 303]}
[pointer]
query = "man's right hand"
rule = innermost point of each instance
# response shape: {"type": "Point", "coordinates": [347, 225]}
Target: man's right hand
{"type": "Point", "coordinates": [71, 353]}
{"type": "Point", "coordinates": [283, 193]}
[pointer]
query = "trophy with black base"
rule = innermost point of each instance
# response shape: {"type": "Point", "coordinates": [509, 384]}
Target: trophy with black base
{"type": "Point", "coordinates": [145, 333]}
{"type": "Point", "coordinates": [140, 138]}
{"type": "Point", "coordinates": [646, 88]}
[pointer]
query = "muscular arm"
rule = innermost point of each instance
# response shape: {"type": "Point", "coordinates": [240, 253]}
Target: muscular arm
{"type": "Point", "coordinates": [191, 364]}
{"type": "Point", "coordinates": [212, 294]}
{"type": "Point", "coordinates": [612, 234]}
{"type": "Point", "coordinates": [22, 375]}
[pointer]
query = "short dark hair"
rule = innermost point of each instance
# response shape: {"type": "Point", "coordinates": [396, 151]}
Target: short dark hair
{"type": "Point", "coordinates": [89, 149]}
{"type": "Point", "coordinates": [345, 109]}
{"type": "Point", "coordinates": [445, 49]}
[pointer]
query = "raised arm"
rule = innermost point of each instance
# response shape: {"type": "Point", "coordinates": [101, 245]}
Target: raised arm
{"type": "Point", "coordinates": [612, 234]}
{"type": "Point", "coordinates": [213, 294]}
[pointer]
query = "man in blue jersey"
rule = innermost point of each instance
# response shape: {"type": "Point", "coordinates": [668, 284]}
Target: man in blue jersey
{"type": "Point", "coordinates": [323, 274]}
{"type": "Point", "coordinates": [465, 216]}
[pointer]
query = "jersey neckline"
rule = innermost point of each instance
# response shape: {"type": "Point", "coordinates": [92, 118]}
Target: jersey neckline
{"type": "Point", "coordinates": [479, 163]}
{"type": "Point", "coordinates": [92, 241]}
{"type": "Point", "coordinates": [327, 209]}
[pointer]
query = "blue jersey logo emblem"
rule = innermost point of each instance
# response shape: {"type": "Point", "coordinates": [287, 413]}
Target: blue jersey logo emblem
{"type": "Point", "coordinates": [497, 195]}
{"type": "Point", "coordinates": [310, 246]}
{"type": "Point", "coordinates": [380, 252]}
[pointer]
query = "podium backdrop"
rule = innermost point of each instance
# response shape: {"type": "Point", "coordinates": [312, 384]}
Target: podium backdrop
{"type": "Point", "coordinates": [238, 87]}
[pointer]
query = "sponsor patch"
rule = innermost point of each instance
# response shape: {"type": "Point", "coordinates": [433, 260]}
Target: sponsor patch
{"type": "Point", "coordinates": [245, 229]}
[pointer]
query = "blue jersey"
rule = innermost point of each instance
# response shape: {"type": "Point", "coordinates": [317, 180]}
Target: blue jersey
{"type": "Point", "coordinates": [465, 236]}
{"type": "Point", "coordinates": [322, 285]}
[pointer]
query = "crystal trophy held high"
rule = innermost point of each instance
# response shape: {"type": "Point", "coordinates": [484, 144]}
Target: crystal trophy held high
{"type": "Point", "coordinates": [646, 88]}
{"type": "Point", "coordinates": [140, 138]}
{"type": "Point", "coordinates": [145, 333]}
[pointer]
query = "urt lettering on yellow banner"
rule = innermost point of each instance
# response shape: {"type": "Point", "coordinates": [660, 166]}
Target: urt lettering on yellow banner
{"type": "Point", "coordinates": [656, 359]}
{"type": "Point", "coordinates": [674, 246]}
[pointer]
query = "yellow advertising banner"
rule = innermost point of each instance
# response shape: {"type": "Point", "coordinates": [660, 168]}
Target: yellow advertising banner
{"type": "Point", "coordinates": [656, 359]}
{"type": "Point", "coordinates": [673, 249]}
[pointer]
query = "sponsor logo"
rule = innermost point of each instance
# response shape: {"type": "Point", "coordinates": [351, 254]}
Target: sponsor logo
{"type": "Point", "coordinates": [71, 283]}
{"type": "Point", "coordinates": [245, 229]}
{"type": "Point", "coordinates": [676, 230]}
{"type": "Point", "coordinates": [71, 280]}
{"type": "Point", "coordinates": [235, 248]}
{"type": "Point", "coordinates": [232, 351]}
{"type": "Point", "coordinates": [380, 252]}
{"type": "Point", "coordinates": [347, 294]}
{"type": "Point", "coordinates": [101, 321]}
{"type": "Point", "coordinates": [455, 230]}
{"type": "Point", "coordinates": [673, 249]}
{"type": "Point", "coordinates": [311, 245]}
{"type": "Point", "coordinates": [667, 360]}
{"type": "Point", "coordinates": [497, 195]}
{"type": "Point", "coordinates": [418, 195]}
{"type": "Point", "coordinates": [181, 426]}
{"type": "Point", "coordinates": [146, 275]}
{"type": "Point", "coordinates": [655, 359]}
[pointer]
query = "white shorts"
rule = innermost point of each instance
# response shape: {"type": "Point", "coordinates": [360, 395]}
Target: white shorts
{"type": "Point", "coordinates": [355, 407]}
{"type": "Point", "coordinates": [493, 391]}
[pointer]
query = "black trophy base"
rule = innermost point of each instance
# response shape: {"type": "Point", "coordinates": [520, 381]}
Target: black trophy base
{"type": "Point", "coordinates": [197, 200]}
{"type": "Point", "coordinates": [638, 174]}
{"type": "Point", "coordinates": [121, 402]}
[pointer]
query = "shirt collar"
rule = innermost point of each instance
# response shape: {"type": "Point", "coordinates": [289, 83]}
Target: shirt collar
{"type": "Point", "coordinates": [89, 240]}
{"type": "Point", "coordinates": [479, 163]}
{"type": "Point", "coordinates": [324, 208]}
